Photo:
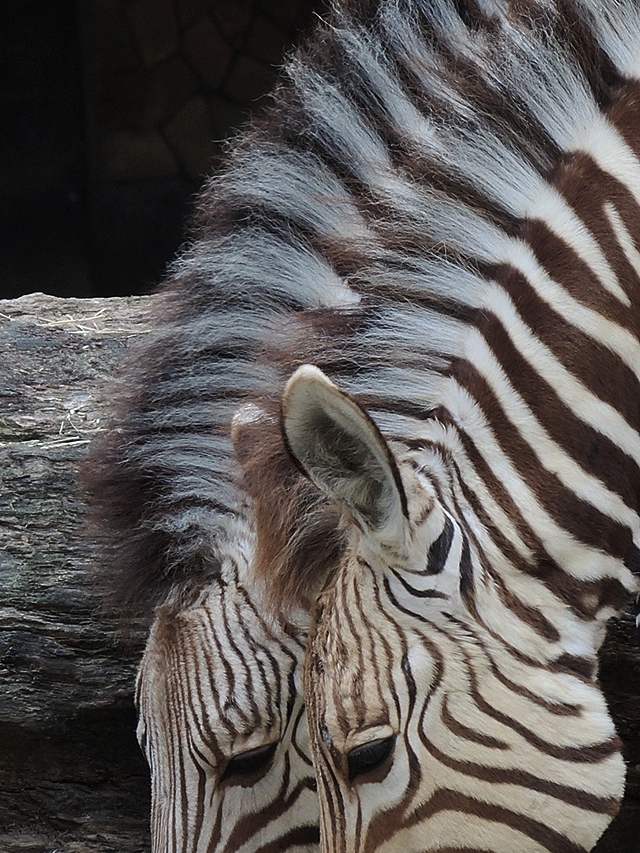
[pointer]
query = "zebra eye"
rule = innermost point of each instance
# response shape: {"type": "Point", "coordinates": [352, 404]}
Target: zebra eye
{"type": "Point", "coordinates": [249, 762]}
{"type": "Point", "coordinates": [368, 757]}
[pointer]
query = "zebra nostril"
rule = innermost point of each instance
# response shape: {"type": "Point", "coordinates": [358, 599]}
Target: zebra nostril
{"type": "Point", "coordinates": [369, 756]}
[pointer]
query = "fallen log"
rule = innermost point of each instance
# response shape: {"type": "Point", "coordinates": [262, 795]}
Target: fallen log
{"type": "Point", "coordinates": [71, 775]}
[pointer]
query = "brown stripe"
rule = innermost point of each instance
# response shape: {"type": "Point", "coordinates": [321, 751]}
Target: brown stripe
{"type": "Point", "coordinates": [496, 775]}
{"type": "Point", "coordinates": [464, 732]}
{"type": "Point", "coordinates": [448, 800]}
{"type": "Point", "coordinates": [585, 754]}
{"type": "Point", "coordinates": [531, 616]}
{"type": "Point", "coordinates": [625, 114]}
{"type": "Point", "coordinates": [561, 709]}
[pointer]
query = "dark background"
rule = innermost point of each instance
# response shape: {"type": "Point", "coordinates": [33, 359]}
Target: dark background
{"type": "Point", "coordinates": [111, 114]}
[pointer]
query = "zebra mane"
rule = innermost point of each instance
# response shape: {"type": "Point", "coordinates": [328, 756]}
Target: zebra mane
{"type": "Point", "coordinates": [355, 226]}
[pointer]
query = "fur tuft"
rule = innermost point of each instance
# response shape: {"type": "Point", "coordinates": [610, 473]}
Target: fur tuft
{"type": "Point", "coordinates": [298, 531]}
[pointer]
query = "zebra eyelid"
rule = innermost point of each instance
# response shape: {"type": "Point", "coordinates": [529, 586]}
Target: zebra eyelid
{"type": "Point", "coordinates": [250, 762]}
{"type": "Point", "coordinates": [367, 757]}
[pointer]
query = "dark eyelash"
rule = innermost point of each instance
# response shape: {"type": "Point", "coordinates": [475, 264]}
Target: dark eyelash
{"type": "Point", "coordinates": [251, 761]}
{"type": "Point", "coordinates": [368, 757]}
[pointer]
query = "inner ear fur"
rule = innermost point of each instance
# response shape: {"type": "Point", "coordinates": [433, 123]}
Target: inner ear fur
{"type": "Point", "coordinates": [298, 536]}
{"type": "Point", "coordinates": [338, 446]}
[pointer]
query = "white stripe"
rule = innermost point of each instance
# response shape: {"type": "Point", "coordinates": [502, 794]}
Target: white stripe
{"type": "Point", "coordinates": [623, 237]}
{"type": "Point", "coordinates": [617, 26]}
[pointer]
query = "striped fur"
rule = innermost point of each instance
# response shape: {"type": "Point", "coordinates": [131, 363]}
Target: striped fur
{"type": "Point", "coordinates": [222, 724]}
{"type": "Point", "coordinates": [492, 152]}
{"type": "Point", "coordinates": [440, 211]}
{"type": "Point", "coordinates": [476, 667]}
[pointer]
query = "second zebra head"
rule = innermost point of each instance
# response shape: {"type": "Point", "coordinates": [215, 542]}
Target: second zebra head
{"type": "Point", "coordinates": [451, 693]}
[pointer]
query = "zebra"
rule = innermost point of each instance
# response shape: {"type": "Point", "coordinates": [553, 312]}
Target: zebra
{"type": "Point", "coordinates": [221, 719]}
{"type": "Point", "coordinates": [218, 691]}
{"type": "Point", "coordinates": [222, 723]}
{"type": "Point", "coordinates": [379, 215]}
{"type": "Point", "coordinates": [469, 423]}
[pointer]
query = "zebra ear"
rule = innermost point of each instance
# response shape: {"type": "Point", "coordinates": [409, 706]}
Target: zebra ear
{"type": "Point", "coordinates": [339, 447]}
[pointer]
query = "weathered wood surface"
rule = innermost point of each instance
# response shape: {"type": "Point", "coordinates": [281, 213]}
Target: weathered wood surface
{"type": "Point", "coordinates": [72, 779]}
{"type": "Point", "coordinates": [71, 775]}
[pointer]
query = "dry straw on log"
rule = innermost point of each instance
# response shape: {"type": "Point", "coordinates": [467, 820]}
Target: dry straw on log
{"type": "Point", "coordinates": [71, 775]}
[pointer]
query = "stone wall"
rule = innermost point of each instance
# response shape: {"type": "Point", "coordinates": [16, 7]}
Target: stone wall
{"type": "Point", "coordinates": [174, 78]}
{"type": "Point", "coordinates": [111, 113]}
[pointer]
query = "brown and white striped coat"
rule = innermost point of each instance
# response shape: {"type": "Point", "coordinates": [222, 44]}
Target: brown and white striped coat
{"type": "Point", "coordinates": [440, 211]}
{"type": "Point", "coordinates": [486, 457]}
{"type": "Point", "coordinates": [222, 723]}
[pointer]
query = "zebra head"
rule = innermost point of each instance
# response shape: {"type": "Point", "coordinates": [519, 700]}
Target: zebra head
{"type": "Point", "coordinates": [223, 726]}
{"type": "Point", "coordinates": [448, 708]}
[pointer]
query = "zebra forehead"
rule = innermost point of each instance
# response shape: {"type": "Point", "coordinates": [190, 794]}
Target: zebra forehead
{"type": "Point", "coordinates": [218, 670]}
{"type": "Point", "coordinates": [223, 625]}
{"type": "Point", "coordinates": [224, 616]}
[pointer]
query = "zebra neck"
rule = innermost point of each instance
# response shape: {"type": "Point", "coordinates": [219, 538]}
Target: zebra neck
{"type": "Point", "coordinates": [544, 398]}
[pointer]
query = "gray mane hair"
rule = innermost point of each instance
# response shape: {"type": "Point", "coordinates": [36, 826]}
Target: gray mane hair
{"type": "Point", "coordinates": [354, 226]}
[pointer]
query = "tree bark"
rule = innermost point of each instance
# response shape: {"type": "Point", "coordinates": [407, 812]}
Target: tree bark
{"type": "Point", "coordinates": [72, 777]}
